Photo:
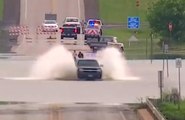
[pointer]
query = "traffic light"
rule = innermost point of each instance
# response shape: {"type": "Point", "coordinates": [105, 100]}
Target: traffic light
{"type": "Point", "coordinates": [137, 3]}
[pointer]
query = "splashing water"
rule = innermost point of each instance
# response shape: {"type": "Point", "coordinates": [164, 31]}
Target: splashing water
{"type": "Point", "coordinates": [59, 63]}
{"type": "Point", "coordinates": [56, 63]}
{"type": "Point", "coordinates": [114, 64]}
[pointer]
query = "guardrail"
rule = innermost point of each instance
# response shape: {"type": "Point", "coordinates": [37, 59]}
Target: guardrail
{"type": "Point", "coordinates": [157, 114]}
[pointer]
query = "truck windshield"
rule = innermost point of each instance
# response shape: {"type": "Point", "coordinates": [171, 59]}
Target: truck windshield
{"type": "Point", "coordinates": [72, 20]}
{"type": "Point", "coordinates": [50, 22]}
{"type": "Point", "coordinates": [106, 39]}
{"type": "Point", "coordinates": [88, 63]}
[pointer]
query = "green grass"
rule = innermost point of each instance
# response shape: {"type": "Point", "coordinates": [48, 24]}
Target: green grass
{"type": "Point", "coordinates": [171, 111]}
{"type": "Point", "coordinates": [135, 50]}
{"type": "Point", "coordinates": [1, 8]}
{"type": "Point", "coordinates": [142, 48]}
{"type": "Point", "coordinates": [112, 11]}
{"type": "Point", "coordinates": [117, 11]}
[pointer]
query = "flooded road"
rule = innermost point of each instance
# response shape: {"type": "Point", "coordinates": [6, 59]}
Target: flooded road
{"type": "Point", "coordinates": [73, 112]}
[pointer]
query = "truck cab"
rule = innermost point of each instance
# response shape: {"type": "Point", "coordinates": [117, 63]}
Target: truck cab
{"type": "Point", "coordinates": [88, 69]}
{"type": "Point", "coordinates": [68, 31]}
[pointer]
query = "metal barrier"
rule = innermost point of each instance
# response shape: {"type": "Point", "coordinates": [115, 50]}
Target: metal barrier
{"type": "Point", "coordinates": [157, 114]}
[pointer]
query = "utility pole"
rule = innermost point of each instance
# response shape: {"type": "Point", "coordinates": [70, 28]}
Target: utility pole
{"type": "Point", "coordinates": [178, 66]}
{"type": "Point", "coordinates": [170, 28]}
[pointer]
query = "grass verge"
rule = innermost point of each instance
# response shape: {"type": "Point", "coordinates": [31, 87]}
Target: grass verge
{"type": "Point", "coordinates": [171, 111]}
{"type": "Point", "coordinates": [140, 49]}
{"type": "Point", "coordinates": [112, 11]}
{"type": "Point", "coordinates": [1, 9]}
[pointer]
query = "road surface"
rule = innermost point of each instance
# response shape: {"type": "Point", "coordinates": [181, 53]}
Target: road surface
{"type": "Point", "coordinates": [126, 91]}
{"type": "Point", "coordinates": [32, 15]}
{"type": "Point", "coordinates": [67, 112]}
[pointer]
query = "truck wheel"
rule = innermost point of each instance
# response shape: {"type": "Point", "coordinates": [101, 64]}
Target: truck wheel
{"type": "Point", "coordinates": [75, 37]}
{"type": "Point", "coordinates": [101, 32]}
{"type": "Point", "coordinates": [62, 37]}
{"type": "Point", "coordinates": [122, 49]}
{"type": "Point", "coordinates": [85, 38]}
{"type": "Point", "coordinates": [78, 30]}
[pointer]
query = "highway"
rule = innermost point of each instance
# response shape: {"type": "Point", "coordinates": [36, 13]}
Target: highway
{"type": "Point", "coordinates": [72, 112]}
{"type": "Point", "coordinates": [51, 91]}
{"type": "Point", "coordinates": [32, 15]}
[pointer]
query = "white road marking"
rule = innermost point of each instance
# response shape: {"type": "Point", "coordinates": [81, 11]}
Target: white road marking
{"type": "Point", "coordinates": [79, 10]}
{"type": "Point", "coordinates": [26, 9]}
{"type": "Point", "coordinates": [122, 116]}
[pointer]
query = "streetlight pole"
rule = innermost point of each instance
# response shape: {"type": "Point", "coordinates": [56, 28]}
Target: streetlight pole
{"type": "Point", "coordinates": [170, 27]}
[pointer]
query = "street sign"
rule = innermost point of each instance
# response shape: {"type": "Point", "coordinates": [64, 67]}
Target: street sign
{"type": "Point", "coordinates": [133, 22]}
{"type": "Point", "coordinates": [178, 63]}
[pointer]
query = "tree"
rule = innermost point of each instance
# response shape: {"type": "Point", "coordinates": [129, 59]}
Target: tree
{"type": "Point", "coordinates": [163, 12]}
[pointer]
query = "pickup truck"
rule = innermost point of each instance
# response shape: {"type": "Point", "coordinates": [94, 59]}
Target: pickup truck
{"type": "Point", "coordinates": [69, 31]}
{"type": "Point", "coordinates": [88, 69]}
{"type": "Point", "coordinates": [105, 41]}
{"type": "Point", "coordinates": [74, 21]}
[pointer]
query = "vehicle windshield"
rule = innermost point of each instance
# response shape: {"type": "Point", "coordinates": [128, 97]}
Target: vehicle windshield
{"type": "Point", "coordinates": [72, 20]}
{"type": "Point", "coordinates": [50, 22]}
{"type": "Point", "coordinates": [106, 39]}
{"type": "Point", "coordinates": [95, 27]}
{"type": "Point", "coordinates": [88, 63]}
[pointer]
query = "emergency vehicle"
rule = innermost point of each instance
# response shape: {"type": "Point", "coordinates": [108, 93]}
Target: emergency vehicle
{"type": "Point", "coordinates": [95, 23]}
{"type": "Point", "coordinates": [92, 32]}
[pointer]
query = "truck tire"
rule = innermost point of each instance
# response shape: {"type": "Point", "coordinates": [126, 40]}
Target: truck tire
{"type": "Point", "coordinates": [62, 37]}
{"type": "Point", "coordinates": [75, 37]}
{"type": "Point", "coordinates": [78, 30]}
{"type": "Point", "coordinates": [85, 37]}
{"type": "Point", "coordinates": [101, 32]}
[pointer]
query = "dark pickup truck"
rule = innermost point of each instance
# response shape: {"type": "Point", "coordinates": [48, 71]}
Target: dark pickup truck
{"type": "Point", "coordinates": [88, 69]}
{"type": "Point", "coordinates": [69, 31]}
